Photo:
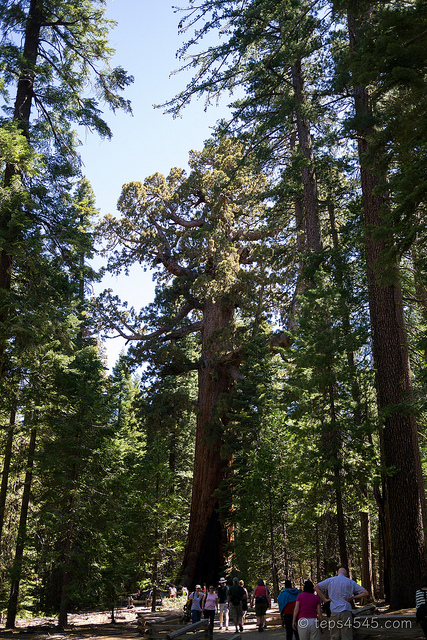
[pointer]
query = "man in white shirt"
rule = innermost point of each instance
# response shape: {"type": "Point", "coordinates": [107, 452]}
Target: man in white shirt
{"type": "Point", "coordinates": [341, 591]}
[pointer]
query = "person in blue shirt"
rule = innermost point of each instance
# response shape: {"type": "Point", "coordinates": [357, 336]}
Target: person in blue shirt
{"type": "Point", "coordinates": [286, 601]}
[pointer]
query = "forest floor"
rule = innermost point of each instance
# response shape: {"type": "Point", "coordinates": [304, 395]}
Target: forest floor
{"type": "Point", "coordinates": [98, 626]}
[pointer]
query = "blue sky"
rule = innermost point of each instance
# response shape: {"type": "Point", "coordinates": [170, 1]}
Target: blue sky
{"type": "Point", "coordinates": [146, 40]}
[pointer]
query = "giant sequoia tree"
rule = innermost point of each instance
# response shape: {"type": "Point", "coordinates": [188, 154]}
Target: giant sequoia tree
{"type": "Point", "coordinates": [209, 237]}
{"type": "Point", "coordinates": [257, 56]}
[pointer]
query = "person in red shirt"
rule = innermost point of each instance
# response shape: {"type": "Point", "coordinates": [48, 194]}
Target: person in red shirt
{"type": "Point", "coordinates": [286, 601]}
{"type": "Point", "coordinates": [262, 598]}
{"type": "Point", "coordinates": [308, 613]}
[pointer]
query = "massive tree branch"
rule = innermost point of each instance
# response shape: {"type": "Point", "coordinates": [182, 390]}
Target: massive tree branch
{"type": "Point", "coordinates": [279, 340]}
{"type": "Point", "coordinates": [166, 258]}
{"type": "Point", "coordinates": [183, 331]}
{"type": "Point", "coordinates": [174, 369]}
{"type": "Point", "coordinates": [187, 224]}
{"type": "Point", "coordinates": [115, 320]}
{"type": "Point", "coordinates": [251, 236]}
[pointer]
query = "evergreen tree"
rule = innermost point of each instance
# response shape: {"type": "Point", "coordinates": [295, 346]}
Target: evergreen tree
{"type": "Point", "coordinates": [256, 57]}
{"type": "Point", "coordinates": [52, 52]}
{"type": "Point", "coordinates": [205, 232]}
{"type": "Point", "coordinates": [405, 495]}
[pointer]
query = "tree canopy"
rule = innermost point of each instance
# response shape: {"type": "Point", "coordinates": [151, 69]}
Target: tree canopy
{"type": "Point", "coordinates": [268, 418]}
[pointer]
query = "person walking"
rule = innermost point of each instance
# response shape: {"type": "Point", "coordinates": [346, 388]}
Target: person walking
{"type": "Point", "coordinates": [235, 595]}
{"type": "Point", "coordinates": [341, 591]}
{"type": "Point", "coordinates": [286, 601]}
{"type": "Point", "coordinates": [223, 603]}
{"type": "Point", "coordinates": [244, 602]}
{"type": "Point", "coordinates": [421, 605]}
{"type": "Point", "coordinates": [210, 607]}
{"type": "Point", "coordinates": [262, 599]}
{"type": "Point", "coordinates": [196, 604]}
{"type": "Point", "coordinates": [308, 613]}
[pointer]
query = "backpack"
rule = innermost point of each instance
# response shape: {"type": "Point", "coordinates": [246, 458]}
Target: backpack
{"type": "Point", "coordinates": [235, 599]}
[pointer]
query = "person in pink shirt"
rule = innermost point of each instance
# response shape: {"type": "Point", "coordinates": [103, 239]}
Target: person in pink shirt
{"type": "Point", "coordinates": [210, 606]}
{"type": "Point", "coordinates": [308, 613]}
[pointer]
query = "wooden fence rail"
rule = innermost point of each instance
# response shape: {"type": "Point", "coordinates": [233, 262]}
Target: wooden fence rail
{"type": "Point", "coordinates": [171, 627]}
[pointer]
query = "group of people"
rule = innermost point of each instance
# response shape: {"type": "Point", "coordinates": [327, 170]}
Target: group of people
{"type": "Point", "coordinates": [302, 612]}
{"type": "Point", "coordinates": [231, 602]}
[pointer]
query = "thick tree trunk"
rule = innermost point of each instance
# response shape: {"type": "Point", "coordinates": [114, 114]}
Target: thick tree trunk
{"type": "Point", "coordinates": [309, 180]}
{"type": "Point", "coordinates": [65, 579]}
{"type": "Point", "coordinates": [301, 248]}
{"type": "Point", "coordinates": [404, 499]}
{"type": "Point", "coordinates": [21, 538]}
{"type": "Point", "coordinates": [204, 551]}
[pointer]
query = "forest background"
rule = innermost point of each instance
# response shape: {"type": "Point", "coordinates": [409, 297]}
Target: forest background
{"type": "Point", "coordinates": [277, 425]}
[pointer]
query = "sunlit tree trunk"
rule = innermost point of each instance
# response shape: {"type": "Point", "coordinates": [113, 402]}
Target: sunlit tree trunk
{"type": "Point", "coordinates": [204, 551]}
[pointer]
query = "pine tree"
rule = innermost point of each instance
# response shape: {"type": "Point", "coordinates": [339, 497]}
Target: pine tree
{"type": "Point", "coordinates": [405, 496]}
{"type": "Point", "coordinates": [54, 51]}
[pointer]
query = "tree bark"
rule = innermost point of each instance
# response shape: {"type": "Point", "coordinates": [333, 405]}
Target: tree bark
{"type": "Point", "coordinates": [274, 571]}
{"type": "Point", "coordinates": [203, 556]}
{"type": "Point", "coordinates": [309, 180]}
{"type": "Point", "coordinates": [404, 499]}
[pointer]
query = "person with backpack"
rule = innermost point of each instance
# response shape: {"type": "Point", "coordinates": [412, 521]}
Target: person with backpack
{"type": "Point", "coordinates": [286, 601]}
{"type": "Point", "coordinates": [235, 595]}
{"type": "Point", "coordinates": [196, 604]}
{"type": "Point", "coordinates": [421, 605]}
{"type": "Point", "coordinates": [262, 599]}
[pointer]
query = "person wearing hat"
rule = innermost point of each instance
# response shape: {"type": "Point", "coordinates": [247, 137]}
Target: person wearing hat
{"type": "Point", "coordinates": [235, 595]}
{"type": "Point", "coordinates": [196, 604]}
{"type": "Point", "coordinates": [223, 603]}
{"type": "Point", "coordinates": [421, 605]}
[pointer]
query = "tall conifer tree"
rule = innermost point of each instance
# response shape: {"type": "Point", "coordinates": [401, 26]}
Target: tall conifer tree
{"type": "Point", "coordinates": [54, 51]}
{"type": "Point", "coordinates": [205, 232]}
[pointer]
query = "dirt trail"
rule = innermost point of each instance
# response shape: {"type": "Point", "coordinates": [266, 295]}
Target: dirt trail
{"type": "Point", "coordinates": [98, 626]}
